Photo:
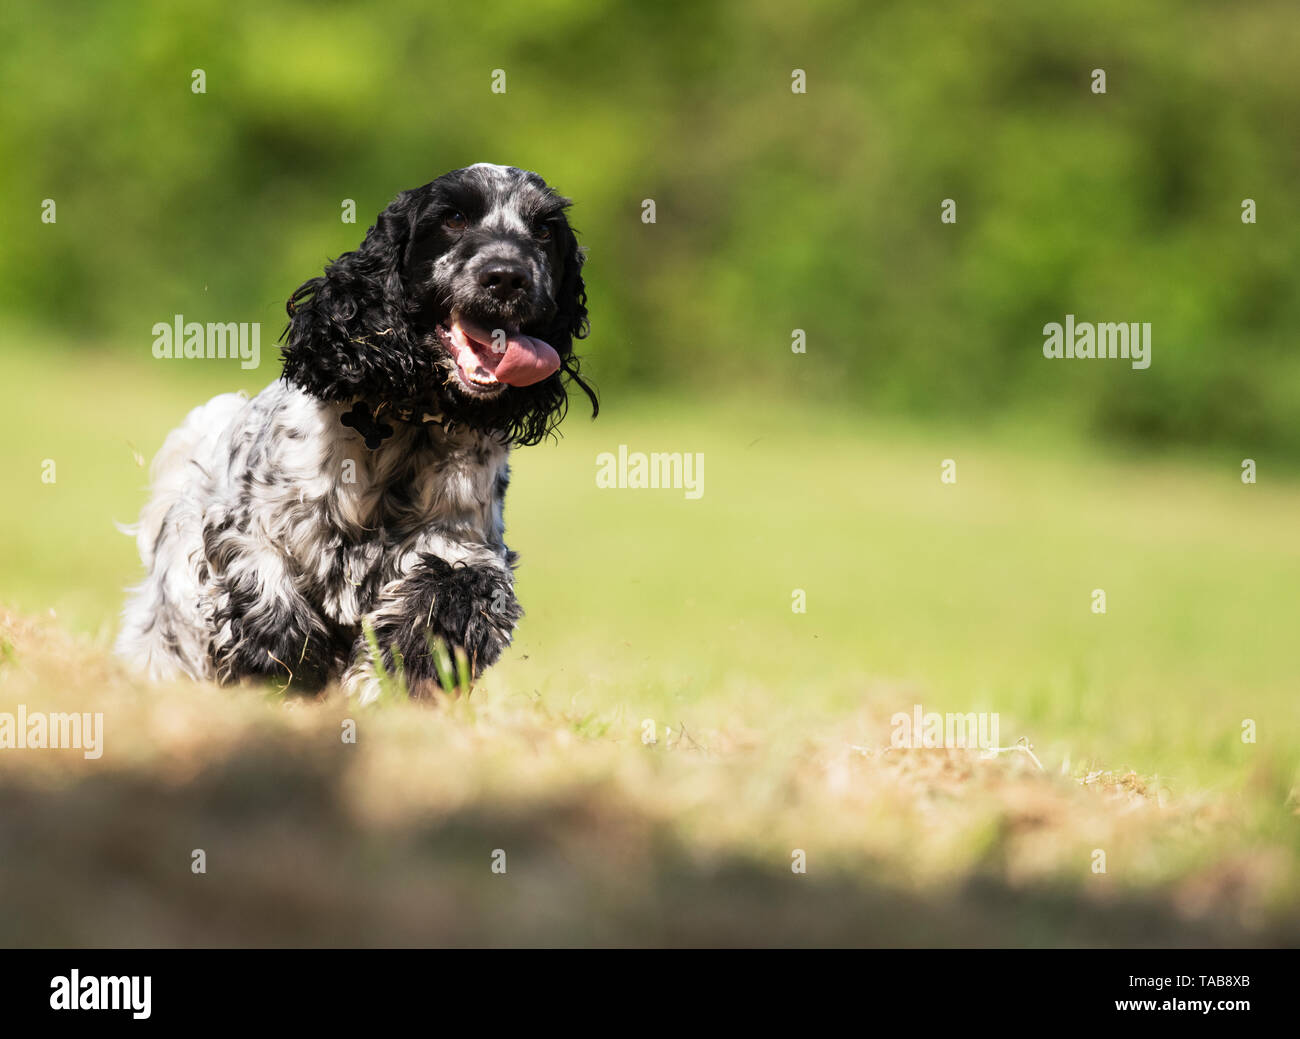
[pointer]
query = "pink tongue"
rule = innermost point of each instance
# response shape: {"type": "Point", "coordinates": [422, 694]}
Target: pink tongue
{"type": "Point", "coordinates": [526, 359]}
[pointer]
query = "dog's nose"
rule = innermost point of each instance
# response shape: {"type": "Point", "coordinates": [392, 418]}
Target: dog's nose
{"type": "Point", "coordinates": [505, 280]}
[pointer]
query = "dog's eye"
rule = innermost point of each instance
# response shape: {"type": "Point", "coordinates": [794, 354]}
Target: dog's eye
{"type": "Point", "coordinates": [543, 233]}
{"type": "Point", "coordinates": [456, 222]}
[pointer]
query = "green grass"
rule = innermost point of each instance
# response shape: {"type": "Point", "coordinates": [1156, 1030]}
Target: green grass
{"type": "Point", "coordinates": [643, 605]}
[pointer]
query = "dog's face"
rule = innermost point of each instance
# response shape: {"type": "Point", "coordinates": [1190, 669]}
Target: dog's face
{"type": "Point", "coordinates": [483, 270]}
{"type": "Point", "coordinates": [465, 297]}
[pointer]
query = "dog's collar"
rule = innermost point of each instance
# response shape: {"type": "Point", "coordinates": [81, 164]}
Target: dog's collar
{"type": "Point", "coordinates": [374, 431]}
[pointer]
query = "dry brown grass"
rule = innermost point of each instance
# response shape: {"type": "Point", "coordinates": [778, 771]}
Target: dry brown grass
{"type": "Point", "coordinates": [389, 841]}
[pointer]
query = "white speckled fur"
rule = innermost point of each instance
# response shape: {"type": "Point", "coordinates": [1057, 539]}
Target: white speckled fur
{"type": "Point", "coordinates": [298, 493]}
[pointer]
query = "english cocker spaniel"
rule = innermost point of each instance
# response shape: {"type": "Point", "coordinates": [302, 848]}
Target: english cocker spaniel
{"type": "Point", "coordinates": [363, 490]}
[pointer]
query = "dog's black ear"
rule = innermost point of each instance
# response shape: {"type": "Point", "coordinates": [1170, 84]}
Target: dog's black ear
{"type": "Point", "coordinates": [348, 333]}
{"type": "Point", "coordinates": [570, 321]}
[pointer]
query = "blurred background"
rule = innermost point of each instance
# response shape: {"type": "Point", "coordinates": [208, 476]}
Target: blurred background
{"type": "Point", "coordinates": [775, 211]}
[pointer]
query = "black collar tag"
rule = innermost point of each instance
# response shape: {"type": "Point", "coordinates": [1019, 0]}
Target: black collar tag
{"type": "Point", "coordinates": [366, 422]}
{"type": "Point", "coordinates": [368, 425]}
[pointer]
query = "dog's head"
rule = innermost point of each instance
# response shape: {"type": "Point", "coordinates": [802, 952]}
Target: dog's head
{"type": "Point", "coordinates": [465, 298]}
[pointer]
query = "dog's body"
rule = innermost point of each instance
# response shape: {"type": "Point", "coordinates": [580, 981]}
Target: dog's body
{"type": "Point", "coordinates": [366, 488]}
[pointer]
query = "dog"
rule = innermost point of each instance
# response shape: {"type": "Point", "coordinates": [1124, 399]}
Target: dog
{"type": "Point", "coordinates": [361, 495]}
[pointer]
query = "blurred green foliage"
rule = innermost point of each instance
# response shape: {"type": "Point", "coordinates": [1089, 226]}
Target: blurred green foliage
{"type": "Point", "coordinates": [775, 210]}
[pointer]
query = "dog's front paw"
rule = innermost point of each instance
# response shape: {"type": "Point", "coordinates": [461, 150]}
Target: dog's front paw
{"type": "Point", "coordinates": [471, 607]}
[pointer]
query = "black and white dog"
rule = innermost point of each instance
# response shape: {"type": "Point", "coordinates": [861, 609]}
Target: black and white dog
{"type": "Point", "coordinates": [366, 486]}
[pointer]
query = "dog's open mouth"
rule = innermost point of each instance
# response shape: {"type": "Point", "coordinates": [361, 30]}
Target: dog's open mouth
{"type": "Point", "coordinates": [488, 360]}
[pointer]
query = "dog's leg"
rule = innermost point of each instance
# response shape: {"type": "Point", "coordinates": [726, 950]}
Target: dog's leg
{"type": "Point", "coordinates": [470, 605]}
{"type": "Point", "coordinates": [264, 627]}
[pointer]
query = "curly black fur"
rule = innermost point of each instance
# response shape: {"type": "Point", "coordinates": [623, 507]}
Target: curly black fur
{"type": "Point", "coordinates": [368, 328]}
{"type": "Point", "coordinates": [466, 606]}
